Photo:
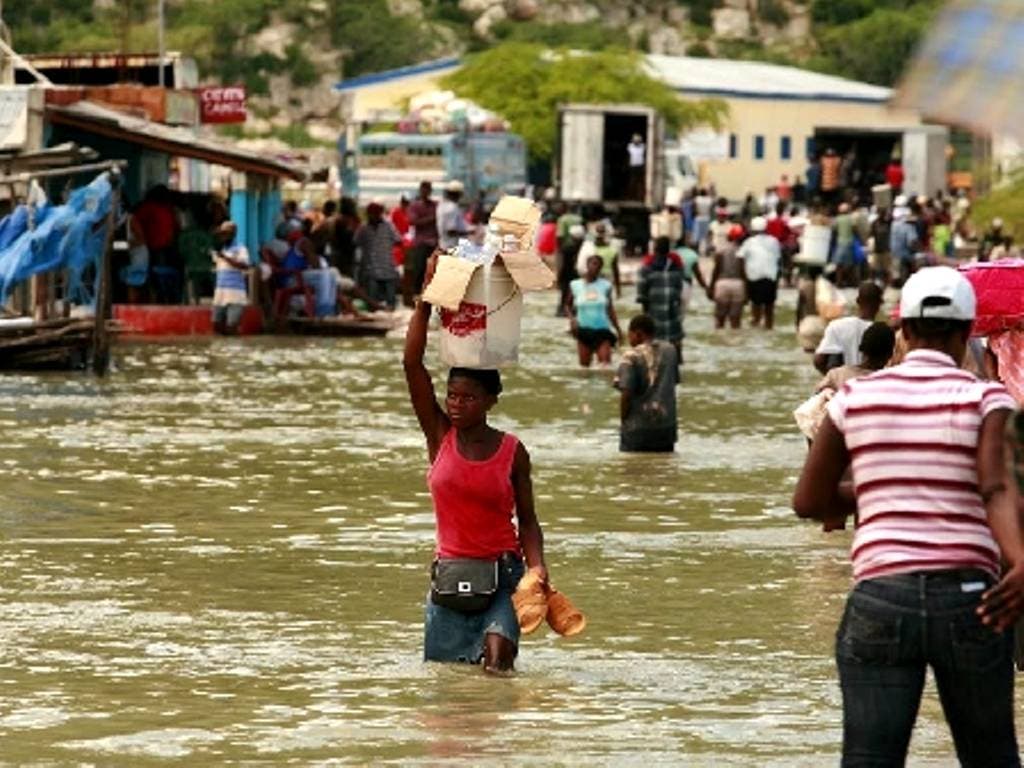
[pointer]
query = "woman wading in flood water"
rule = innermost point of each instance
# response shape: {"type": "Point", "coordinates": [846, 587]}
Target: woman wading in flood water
{"type": "Point", "coordinates": [479, 478]}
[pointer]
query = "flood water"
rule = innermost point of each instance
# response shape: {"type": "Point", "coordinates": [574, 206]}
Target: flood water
{"type": "Point", "coordinates": [219, 554]}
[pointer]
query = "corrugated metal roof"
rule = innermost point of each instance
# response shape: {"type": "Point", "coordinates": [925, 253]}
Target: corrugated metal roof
{"type": "Point", "coordinates": [165, 138]}
{"type": "Point", "coordinates": [757, 79]}
{"type": "Point", "coordinates": [440, 66]}
{"type": "Point", "coordinates": [699, 76]}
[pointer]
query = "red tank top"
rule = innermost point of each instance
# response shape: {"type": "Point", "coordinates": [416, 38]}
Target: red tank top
{"type": "Point", "coordinates": [474, 502]}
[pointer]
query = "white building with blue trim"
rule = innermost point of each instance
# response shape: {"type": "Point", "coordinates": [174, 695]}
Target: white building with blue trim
{"type": "Point", "coordinates": [775, 111]}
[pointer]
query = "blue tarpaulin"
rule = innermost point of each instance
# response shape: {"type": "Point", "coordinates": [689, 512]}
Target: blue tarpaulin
{"type": "Point", "coordinates": [969, 70]}
{"type": "Point", "coordinates": [69, 237]}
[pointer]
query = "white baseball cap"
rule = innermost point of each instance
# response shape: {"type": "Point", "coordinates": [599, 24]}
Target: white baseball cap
{"type": "Point", "coordinates": [939, 292]}
{"type": "Point", "coordinates": [454, 186]}
{"type": "Point", "coordinates": [758, 224]}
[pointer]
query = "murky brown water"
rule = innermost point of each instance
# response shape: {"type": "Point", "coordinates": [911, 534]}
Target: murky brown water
{"type": "Point", "coordinates": [219, 554]}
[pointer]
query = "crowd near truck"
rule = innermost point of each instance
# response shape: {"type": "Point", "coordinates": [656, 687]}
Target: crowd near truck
{"type": "Point", "coordinates": [388, 165]}
{"type": "Point", "coordinates": [921, 149]}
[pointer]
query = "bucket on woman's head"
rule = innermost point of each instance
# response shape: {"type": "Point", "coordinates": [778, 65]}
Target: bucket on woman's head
{"type": "Point", "coordinates": [814, 245]}
{"type": "Point", "coordinates": [881, 196]}
{"type": "Point", "coordinates": [484, 331]}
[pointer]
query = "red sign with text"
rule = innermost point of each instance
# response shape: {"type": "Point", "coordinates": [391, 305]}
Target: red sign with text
{"type": "Point", "coordinates": [222, 104]}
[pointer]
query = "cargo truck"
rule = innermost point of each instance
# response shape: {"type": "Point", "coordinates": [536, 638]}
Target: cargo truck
{"type": "Point", "coordinates": [592, 163]}
{"type": "Point", "coordinates": [592, 160]}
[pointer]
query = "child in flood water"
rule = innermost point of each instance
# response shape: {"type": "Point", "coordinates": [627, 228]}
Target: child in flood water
{"type": "Point", "coordinates": [479, 478]}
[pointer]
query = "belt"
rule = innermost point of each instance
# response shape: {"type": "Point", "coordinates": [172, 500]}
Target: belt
{"type": "Point", "coordinates": [948, 575]}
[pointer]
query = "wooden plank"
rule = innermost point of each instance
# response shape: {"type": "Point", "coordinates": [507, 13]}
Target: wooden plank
{"type": "Point", "coordinates": [100, 339]}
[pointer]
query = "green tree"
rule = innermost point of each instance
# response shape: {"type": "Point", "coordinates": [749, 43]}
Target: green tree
{"type": "Point", "coordinates": [878, 47]}
{"type": "Point", "coordinates": [773, 12]}
{"type": "Point", "coordinates": [846, 11]}
{"type": "Point", "coordinates": [700, 11]}
{"type": "Point", "coordinates": [841, 11]}
{"type": "Point", "coordinates": [590, 36]}
{"type": "Point", "coordinates": [373, 39]}
{"type": "Point", "coordinates": [525, 83]}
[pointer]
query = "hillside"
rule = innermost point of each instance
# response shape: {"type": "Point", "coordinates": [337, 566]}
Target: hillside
{"type": "Point", "coordinates": [290, 52]}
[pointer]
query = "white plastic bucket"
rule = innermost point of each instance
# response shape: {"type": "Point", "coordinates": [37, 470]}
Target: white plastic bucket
{"type": "Point", "coordinates": [881, 195]}
{"type": "Point", "coordinates": [814, 244]}
{"type": "Point", "coordinates": [484, 332]}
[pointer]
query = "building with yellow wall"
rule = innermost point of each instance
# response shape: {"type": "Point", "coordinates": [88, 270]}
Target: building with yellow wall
{"type": "Point", "coordinates": [774, 111]}
{"type": "Point", "coordinates": [381, 96]}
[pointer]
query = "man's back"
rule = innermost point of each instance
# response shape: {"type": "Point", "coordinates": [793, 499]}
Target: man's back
{"type": "Point", "coordinates": [912, 432]}
{"type": "Point", "coordinates": [830, 172]}
{"type": "Point", "coordinates": [761, 255]}
{"type": "Point", "coordinates": [842, 337]}
{"type": "Point", "coordinates": [903, 239]}
{"type": "Point", "coordinates": [649, 373]}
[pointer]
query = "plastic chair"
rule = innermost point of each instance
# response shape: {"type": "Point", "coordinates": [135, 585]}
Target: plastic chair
{"type": "Point", "coordinates": [195, 245]}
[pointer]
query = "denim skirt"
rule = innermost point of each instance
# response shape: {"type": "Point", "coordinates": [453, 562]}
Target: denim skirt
{"type": "Point", "coordinates": [451, 635]}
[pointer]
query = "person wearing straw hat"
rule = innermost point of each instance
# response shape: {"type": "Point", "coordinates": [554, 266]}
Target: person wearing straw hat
{"type": "Point", "coordinates": [938, 552]}
{"type": "Point", "coordinates": [487, 528]}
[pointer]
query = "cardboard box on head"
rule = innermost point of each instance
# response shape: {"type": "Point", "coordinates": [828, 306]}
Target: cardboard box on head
{"type": "Point", "coordinates": [482, 305]}
{"type": "Point", "coordinates": [520, 218]}
{"type": "Point", "coordinates": [450, 281]}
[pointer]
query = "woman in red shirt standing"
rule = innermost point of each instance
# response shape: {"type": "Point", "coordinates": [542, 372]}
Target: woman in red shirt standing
{"type": "Point", "coordinates": [480, 483]}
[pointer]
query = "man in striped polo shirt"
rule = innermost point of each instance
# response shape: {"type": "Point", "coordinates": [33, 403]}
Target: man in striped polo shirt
{"type": "Point", "coordinates": [938, 556]}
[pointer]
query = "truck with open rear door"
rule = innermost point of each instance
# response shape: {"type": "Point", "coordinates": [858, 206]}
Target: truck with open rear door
{"type": "Point", "coordinates": [592, 159]}
{"type": "Point", "coordinates": [592, 163]}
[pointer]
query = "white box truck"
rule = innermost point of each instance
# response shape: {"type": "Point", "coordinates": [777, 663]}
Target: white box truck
{"type": "Point", "coordinates": [924, 158]}
{"type": "Point", "coordinates": [592, 160]}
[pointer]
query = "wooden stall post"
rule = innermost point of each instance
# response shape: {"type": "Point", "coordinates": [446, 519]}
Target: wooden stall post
{"type": "Point", "coordinates": [101, 335]}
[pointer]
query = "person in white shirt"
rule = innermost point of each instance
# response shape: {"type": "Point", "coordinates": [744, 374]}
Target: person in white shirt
{"type": "Point", "coordinates": [451, 221]}
{"type": "Point", "coordinates": [761, 257]}
{"type": "Point", "coordinates": [702, 204]}
{"type": "Point", "coordinates": [841, 343]}
{"type": "Point", "coordinates": [637, 151]}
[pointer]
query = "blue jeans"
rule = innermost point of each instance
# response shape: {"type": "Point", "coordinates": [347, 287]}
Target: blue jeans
{"type": "Point", "coordinates": [895, 627]}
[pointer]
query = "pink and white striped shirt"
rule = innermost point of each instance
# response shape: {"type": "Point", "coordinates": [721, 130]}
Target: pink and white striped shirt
{"type": "Point", "coordinates": [912, 433]}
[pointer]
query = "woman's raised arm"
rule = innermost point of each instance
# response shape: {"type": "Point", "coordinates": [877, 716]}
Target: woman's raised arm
{"type": "Point", "coordinates": [433, 420]}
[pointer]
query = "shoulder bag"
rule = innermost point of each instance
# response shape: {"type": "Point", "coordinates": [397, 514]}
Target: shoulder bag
{"type": "Point", "coordinates": [463, 584]}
